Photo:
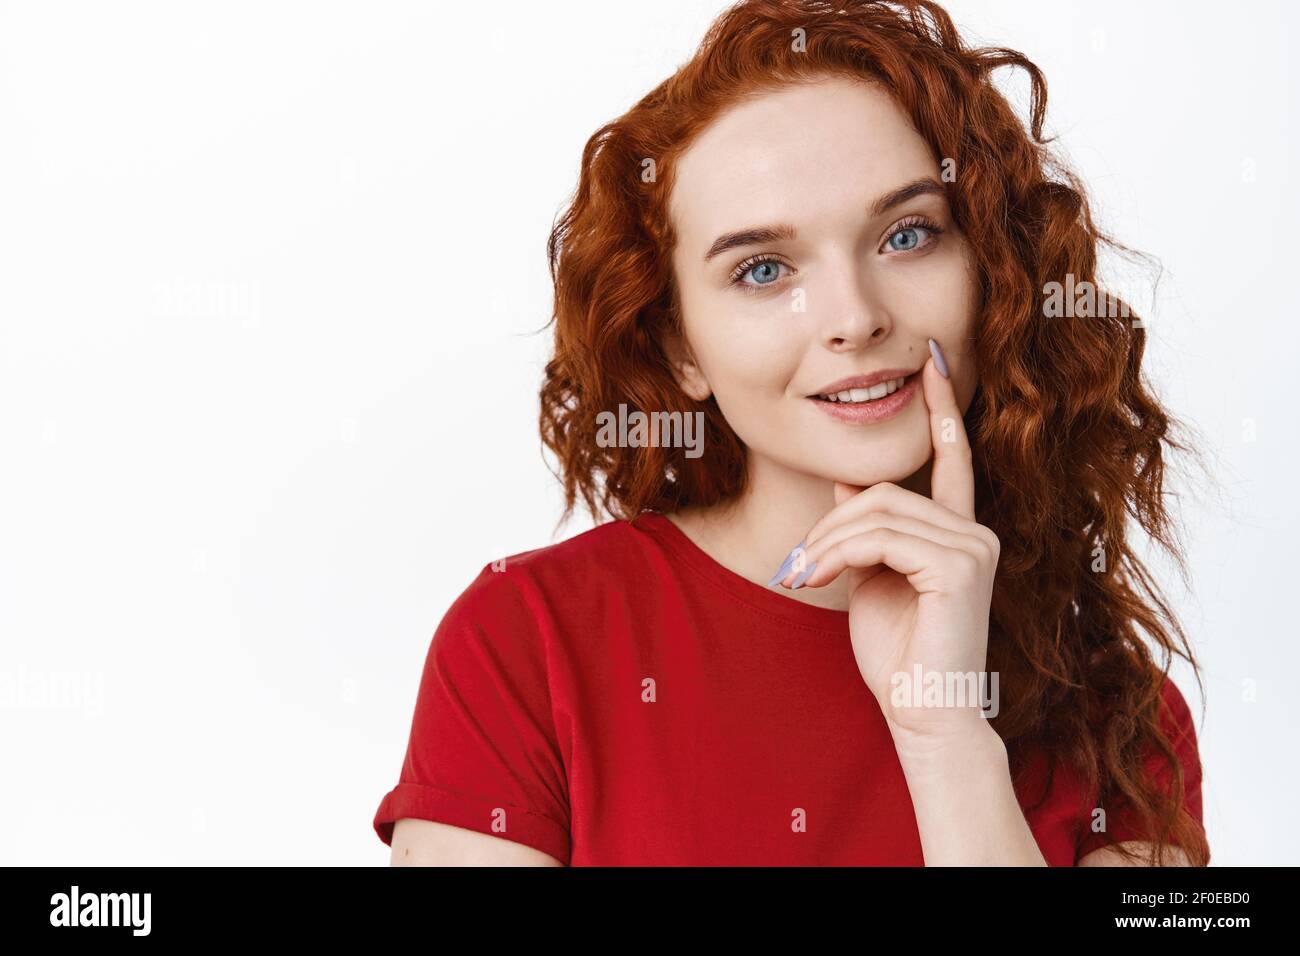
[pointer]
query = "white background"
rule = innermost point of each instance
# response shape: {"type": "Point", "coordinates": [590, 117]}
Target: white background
{"type": "Point", "coordinates": [269, 274]}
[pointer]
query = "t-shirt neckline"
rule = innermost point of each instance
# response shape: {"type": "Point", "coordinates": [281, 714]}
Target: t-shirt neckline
{"type": "Point", "coordinates": [763, 599]}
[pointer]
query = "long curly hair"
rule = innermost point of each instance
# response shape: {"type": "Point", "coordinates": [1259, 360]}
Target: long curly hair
{"type": "Point", "coordinates": [1068, 440]}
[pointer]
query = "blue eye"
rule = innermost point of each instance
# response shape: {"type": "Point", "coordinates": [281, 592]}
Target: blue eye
{"type": "Point", "coordinates": [909, 235]}
{"type": "Point", "coordinates": [904, 238]}
{"type": "Point", "coordinates": [765, 272]}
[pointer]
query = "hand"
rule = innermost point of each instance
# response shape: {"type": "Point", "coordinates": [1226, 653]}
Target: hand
{"type": "Point", "coordinates": [921, 578]}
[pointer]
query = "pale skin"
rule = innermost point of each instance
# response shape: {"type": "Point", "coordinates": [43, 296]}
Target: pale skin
{"type": "Point", "coordinates": [886, 509]}
{"type": "Point", "coordinates": [429, 843]}
{"type": "Point", "coordinates": [920, 574]}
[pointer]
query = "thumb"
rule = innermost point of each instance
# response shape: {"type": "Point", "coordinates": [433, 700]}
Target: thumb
{"type": "Point", "coordinates": [844, 492]}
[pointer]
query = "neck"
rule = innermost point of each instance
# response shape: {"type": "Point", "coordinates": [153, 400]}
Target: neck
{"type": "Point", "coordinates": [752, 534]}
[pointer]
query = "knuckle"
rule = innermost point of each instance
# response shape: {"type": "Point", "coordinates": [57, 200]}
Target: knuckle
{"type": "Point", "coordinates": [966, 567]}
{"type": "Point", "coordinates": [884, 534]}
{"type": "Point", "coordinates": [990, 538]}
{"type": "Point", "coordinates": [875, 519]}
{"type": "Point", "coordinates": [883, 491]}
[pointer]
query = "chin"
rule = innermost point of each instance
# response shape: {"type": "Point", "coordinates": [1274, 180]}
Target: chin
{"type": "Point", "coordinates": [865, 478]}
{"type": "Point", "coordinates": [862, 463]}
{"type": "Point", "coordinates": [894, 461]}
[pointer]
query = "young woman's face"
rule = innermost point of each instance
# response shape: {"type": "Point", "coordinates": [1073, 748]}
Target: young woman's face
{"type": "Point", "coordinates": [845, 284]}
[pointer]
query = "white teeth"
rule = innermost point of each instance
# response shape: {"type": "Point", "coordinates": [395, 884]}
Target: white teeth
{"type": "Point", "coordinates": [860, 395]}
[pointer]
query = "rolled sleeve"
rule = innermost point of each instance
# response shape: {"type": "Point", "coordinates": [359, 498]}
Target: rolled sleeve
{"type": "Point", "coordinates": [482, 752]}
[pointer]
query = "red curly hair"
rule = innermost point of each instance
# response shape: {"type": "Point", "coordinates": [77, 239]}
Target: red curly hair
{"type": "Point", "coordinates": [1068, 440]}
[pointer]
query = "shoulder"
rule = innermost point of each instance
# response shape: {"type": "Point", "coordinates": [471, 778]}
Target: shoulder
{"type": "Point", "coordinates": [1175, 715]}
{"type": "Point", "coordinates": [612, 544]}
{"type": "Point", "coordinates": [1178, 727]}
{"type": "Point", "coordinates": [1161, 760]}
{"type": "Point", "coordinates": [516, 624]}
{"type": "Point", "coordinates": [515, 589]}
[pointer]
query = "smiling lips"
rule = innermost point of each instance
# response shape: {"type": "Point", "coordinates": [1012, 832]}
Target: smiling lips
{"type": "Point", "coordinates": [878, 377]}
{"type": "Point", "coordinates": [879, 390]}
{"type": "Point", "coordinates": [867, 399]}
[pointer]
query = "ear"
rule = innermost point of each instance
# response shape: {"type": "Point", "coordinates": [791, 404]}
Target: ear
{"type": "Point", "coordinates": [685, 369]}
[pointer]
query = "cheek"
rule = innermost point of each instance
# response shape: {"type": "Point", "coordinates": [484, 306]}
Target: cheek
{"type": "Point", "coordinates": [954, 327]}
{"type": "Point", "coordinates": [744, 354]}
{"type": "Point", "coordinates": [938, 300]}
{"type": "Point", "coordinates": [941, 302]}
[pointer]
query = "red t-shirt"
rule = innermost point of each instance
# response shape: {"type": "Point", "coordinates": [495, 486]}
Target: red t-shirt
{"type": "Point", "coordinates": [620, 698]}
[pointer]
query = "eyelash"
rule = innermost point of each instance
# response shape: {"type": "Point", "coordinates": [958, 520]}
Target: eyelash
{"type": "Point", "coordinates": [911, 222]}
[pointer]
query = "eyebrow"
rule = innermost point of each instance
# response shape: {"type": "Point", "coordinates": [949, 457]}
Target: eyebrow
{"type": "Point", "coordinates": [758, 235]}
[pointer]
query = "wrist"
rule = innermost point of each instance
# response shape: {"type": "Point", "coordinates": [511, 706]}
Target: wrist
{"type": "Point", "coordinates": [958, 743]}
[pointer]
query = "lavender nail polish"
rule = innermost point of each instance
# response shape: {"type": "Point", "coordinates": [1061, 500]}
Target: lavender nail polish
{"type": "Point", "coordinates": [784, 569]}
{"type": "Point", "coordinates": [803, 576]}
{"type": "Point", "coordinates": [939, 363]}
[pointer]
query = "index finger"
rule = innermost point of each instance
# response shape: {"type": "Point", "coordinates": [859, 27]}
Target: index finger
{"type": "Point", "coordinates": [952, 477]}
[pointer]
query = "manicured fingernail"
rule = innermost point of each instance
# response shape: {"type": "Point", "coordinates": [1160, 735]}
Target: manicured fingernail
{"type": "Point", "coordinates": [784, 569]}
{"type": "Point", "coordinates": [798, 582]}
{"type": "Point", "coordinates": [939, 363]}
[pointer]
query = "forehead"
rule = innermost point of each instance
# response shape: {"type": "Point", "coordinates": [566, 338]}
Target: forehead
{"type": "Point", "coordinates": [812, 152]}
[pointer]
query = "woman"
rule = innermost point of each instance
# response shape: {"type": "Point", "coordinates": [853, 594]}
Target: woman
{"type": "Point", "coordinates": [828, 240]}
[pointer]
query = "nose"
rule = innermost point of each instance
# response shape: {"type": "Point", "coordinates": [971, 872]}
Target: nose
{"type": "Point", "coordinates": [853, 318]}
